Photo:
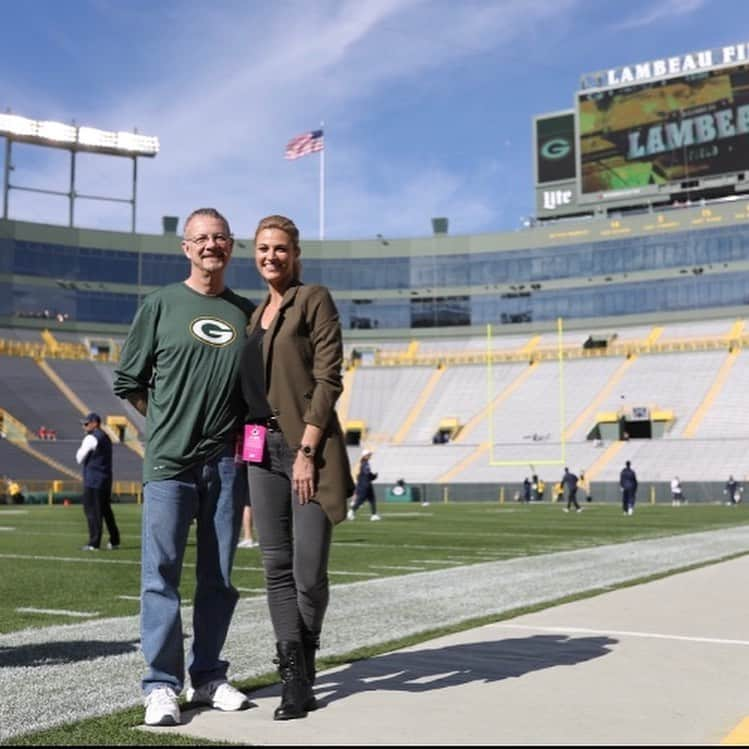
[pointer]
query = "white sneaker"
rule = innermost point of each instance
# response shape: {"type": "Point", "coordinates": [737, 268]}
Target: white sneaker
{"type": "Point", "coordinates": [350, 515]}
{"type": "Point", "coordinates": [162, 708]}
{"type": "Point", "coordinates": [375, 517]}
{"type": "Point", "coordinates": [247, 543]}
{"type": "Point", "coordinates": [219, 694]}
{"type": "Point", "coordinates": [564, 509]}
{"type": "Point", "coordinates": [630, 511]}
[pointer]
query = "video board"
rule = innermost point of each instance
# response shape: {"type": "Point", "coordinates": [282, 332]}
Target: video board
{"type": "Point", "coordinates": [651, 136]}
{"type": "Point", "coordinates": [554, 138]}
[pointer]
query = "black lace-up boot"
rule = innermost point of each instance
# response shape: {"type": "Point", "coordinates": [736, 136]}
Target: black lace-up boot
{"type": "Point", "coordinates": [295, 688]}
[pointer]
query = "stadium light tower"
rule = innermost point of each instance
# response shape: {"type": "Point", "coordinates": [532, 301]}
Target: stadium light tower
{"type": "Point", "coordinates": [72, 138]}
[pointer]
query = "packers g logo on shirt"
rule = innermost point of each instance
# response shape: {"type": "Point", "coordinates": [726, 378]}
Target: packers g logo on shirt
{"type": "Point", "coordinates": [213, 331]}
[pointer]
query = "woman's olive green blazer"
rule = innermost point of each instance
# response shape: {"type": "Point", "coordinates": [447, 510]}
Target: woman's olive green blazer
{"type": "Point", "coordinates": [303, 356]}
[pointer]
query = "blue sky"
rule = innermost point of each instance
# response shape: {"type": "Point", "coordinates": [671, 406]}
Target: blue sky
{"type": "Point", "coordinates": [427, 104]}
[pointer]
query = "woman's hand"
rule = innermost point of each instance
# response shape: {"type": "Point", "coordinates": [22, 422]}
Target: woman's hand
{"type": "Point", "coordinates": [303, 477]}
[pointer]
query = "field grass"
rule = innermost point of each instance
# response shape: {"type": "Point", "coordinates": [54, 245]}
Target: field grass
{"type": "Point", "coordinates": [41, 545]}
{"type": "Point", "coordinates": [44, 568]}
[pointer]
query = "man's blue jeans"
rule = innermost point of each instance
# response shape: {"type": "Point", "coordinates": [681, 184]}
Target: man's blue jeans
{"type": "Point", "coordinates": [205, 493]}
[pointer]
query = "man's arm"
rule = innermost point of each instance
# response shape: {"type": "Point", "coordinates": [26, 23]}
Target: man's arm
{"type": "Point", "coordinates": [87, 446]}
{"type": "Point", "coordinates": [139, 399]}
{"type": "Point", "coordinates": [135, 369]}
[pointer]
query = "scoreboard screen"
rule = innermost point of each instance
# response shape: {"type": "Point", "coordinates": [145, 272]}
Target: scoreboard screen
{"type": "Point", "coordinates": [640, 137]}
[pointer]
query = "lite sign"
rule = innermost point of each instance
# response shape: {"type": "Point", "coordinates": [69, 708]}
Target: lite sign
{"type": "Point", "coordinates": [554, 199]}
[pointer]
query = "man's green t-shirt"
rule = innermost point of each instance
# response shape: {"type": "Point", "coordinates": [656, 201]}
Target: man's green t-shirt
{"type": "Point", "coordinates": [183, 349]}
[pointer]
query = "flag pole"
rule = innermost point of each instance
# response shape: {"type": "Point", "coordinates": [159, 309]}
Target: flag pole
{"type": "Point", "coordinates": [322, 185]}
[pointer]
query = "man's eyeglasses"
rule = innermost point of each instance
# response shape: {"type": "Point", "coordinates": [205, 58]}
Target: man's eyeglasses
{"type": "Point", "coordinates": [202, 239]}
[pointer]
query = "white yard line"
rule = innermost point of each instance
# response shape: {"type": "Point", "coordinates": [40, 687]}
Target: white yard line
{"type": "Point", "coordinates": [57, 612]}
{"type": "Point", "coordinates": [89, 559]}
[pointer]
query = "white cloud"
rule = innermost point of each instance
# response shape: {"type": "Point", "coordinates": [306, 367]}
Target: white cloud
{"type": "Point", "coordinates": [665, 11]}
{"type": "Point", "coordinates": [225, 86]}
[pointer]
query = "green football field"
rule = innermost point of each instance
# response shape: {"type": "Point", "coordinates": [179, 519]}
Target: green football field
{"type": "Point", "coordinates": [48, 580]}
{"type": "Point", "coordinates": [46, 572]}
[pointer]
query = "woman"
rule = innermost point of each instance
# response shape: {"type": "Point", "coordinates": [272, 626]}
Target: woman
{"type": "Point", "coordinates": [364, 488]}
{"type": "Point", "coordinates": [291, 380]}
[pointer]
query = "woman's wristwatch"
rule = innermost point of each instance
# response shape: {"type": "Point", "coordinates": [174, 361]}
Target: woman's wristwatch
{"type": "Point", "coordinates": [307, 450]}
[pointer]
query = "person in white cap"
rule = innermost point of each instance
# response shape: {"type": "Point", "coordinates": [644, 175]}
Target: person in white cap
{"type": "Point", "coordinates": [364, 489]}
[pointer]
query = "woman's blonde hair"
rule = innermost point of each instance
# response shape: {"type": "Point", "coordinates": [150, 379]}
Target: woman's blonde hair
{"type": "Point", "coordinates": [289, 227]}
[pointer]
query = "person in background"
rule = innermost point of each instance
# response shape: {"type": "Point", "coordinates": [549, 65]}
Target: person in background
{"type": "Point", "coordinates": [15, 493]}
{"type": "Point", "coordinates": [179, 367]}
{"type": "Point", "coordinates": [733, 490]}
{"type": "Point", "coordinates": [298, 471]}
{"type": "Point", "coordinates": [526, 490]}
{"type": "Point", "coordinates": [95, 455]}
{"type": "Point", "coordinates": [628, 485]}
{"type": "Point", "coordinates": [557, 492]}
{"type": "Point", "coordinates": [364, 489]}
{"type": "Point", "coordinates": [569, 484]}
{"type": "Point", "coordinates": [677, 496]}
{"type": "Point", "coordinates": [584, 484]}
{"type": "Point", "coordinates": [538, 487]}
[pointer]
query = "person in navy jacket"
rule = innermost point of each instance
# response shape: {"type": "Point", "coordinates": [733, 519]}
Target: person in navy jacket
{"type": "Point", "coordinates": [95, 455]}
{"type": "Point", "coordinates": [364, 488]}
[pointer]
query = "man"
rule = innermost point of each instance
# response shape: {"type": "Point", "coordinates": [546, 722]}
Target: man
{"type": "Point", "coordinates": [628, 485]}
{"type": "Point", "coordinates": [569, 486]}
{"type": "Point", "coordinates": [733, 490]}
{"type": "Point", "coordinates": [95, 455]}
{"type": "Point", "coordinates": [179, 367]}
{"type": "Point", "coordinates": [677, 495]}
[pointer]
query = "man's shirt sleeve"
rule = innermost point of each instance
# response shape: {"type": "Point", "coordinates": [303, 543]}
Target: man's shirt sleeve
{"type": "Point", "coordinates": [135, 368]}
{"type": "Point", "coordinates": [87, 446]}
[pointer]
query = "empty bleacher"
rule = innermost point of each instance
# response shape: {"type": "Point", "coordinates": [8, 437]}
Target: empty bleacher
{"type": "Point", "coordinates": [17, 463]}
{"type": "Point", "coordinates": [403, 403]}
{"type": "Point", "coordinates": [32, 398]}
{"type": "Point", "coordinates": [674, 382]}
{"type": "Point", "coordinates": [383, 396]}
{"type": "Point", "coordinates": [728, 416]}
{"type": "Point", "coordinates": [92, 384]}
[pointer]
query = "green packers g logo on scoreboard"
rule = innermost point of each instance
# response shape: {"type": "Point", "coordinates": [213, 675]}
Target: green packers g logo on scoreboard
{"type": "Point", "coordinates": [556, 148]}
{"type": "Point", "coordinates": [213, 331]}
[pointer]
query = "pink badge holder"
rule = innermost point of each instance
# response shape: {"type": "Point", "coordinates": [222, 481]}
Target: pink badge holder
{"type": "Point", "coordinates": [253, 447]}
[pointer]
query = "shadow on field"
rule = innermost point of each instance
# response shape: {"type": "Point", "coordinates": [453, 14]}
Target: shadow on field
{"type": "Point", "coordinates": [61, 653]}
{"type": "Point", "coordinates": [425, 670]}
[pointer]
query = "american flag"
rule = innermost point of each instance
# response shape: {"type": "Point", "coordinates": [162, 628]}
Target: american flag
{"type": "Point", "coordinates": [304, 144]}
